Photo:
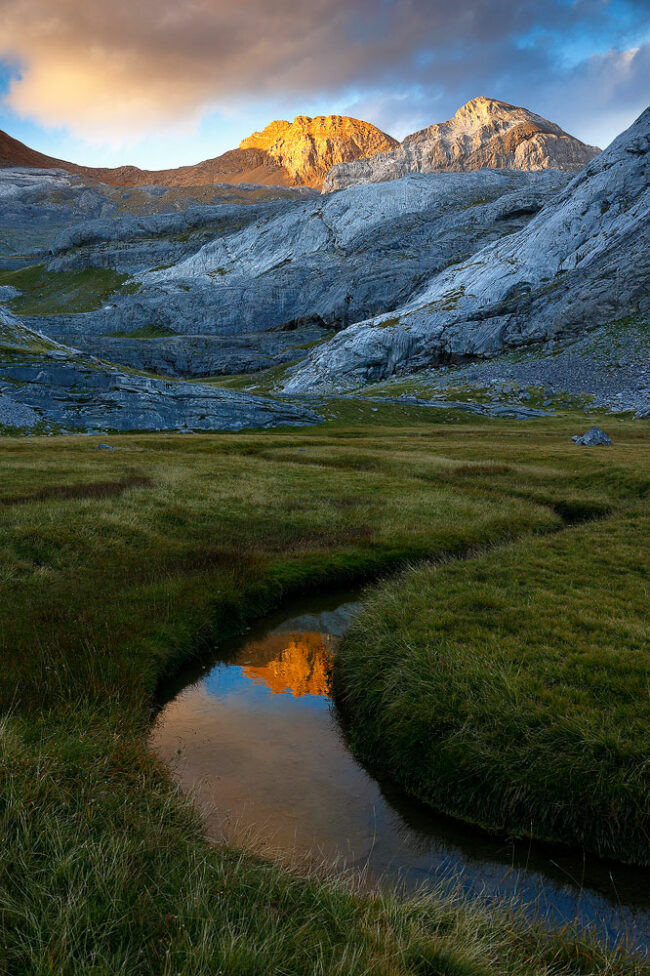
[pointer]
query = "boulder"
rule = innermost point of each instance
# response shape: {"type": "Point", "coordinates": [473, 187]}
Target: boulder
{"type": "Point", "coordinates": [595, 437]}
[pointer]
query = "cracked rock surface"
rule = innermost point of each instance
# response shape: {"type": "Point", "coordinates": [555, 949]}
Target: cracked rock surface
{"type": "Point", "coordinates": [274, 277]}
{"type": "Point", "coordinates": [582, 262]}
{"type": "Point", "coordinates": [46, 385]}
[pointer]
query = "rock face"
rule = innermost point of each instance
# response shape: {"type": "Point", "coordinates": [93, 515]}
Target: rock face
{"type": "Point", "coordinates": [583, 261]}
{"type": "Point", "coordinates": [44, 384]}
{"type": "Point", "coordinates": [36, 204]}
{"type": "Point", "coordinates": [284, 154]}
{"type": "Point", "coordinates": [41, 206]}
{"type": "Point", "coordinates": [274, 277]}
{"type": "Point", "coordinates": [483, 134]}
{"type": "Point", "coordinates": [307, 148]}
{"type": "Point", "coordinates": [605, 368]}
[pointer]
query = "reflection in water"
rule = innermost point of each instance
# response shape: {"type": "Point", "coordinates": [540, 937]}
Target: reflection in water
{"type": "Point", "coordinates": [296, 664]}
{"type": "Point", "coordinates": [257, 741]}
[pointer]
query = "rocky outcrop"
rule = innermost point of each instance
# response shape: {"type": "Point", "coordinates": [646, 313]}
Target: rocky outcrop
{"type": "Point", "coordinates": [595, 437]}
{"type": "Point", "coordinates": [36, 204]}
{"type": "Point", "coordinates": [297, 153]}
{"type": "Point", "coordinates": [484, 133]}
{"type": "Point", "coordinates": [306, 149]}
{"type": "Point", "coordinates": [46, 385]}
{"type": "Point", "coordinates": [606, 368]}
{"type": "Point", "coordinates": [50, 209]}
{"type": "Point", "coordinates": [582, 262]}
{"type": "Point", "coordinates": [250, 297]}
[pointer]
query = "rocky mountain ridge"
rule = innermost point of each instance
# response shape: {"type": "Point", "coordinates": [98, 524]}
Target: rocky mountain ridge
{"type": "Point", "coordinates": [428, 277]}
{"type": "Point", "coordinates": [284, 154]}
{"type": "Point", "coordinates": [275, 276]}
{"type": "Point", "coordinates": [583, 261]}
{"type": "Point", "coordinates": [483, 134]}
{"type": "Point", "coordinates": [334, 151]}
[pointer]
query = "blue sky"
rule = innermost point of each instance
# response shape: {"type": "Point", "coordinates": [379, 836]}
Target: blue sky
{"type": "Point", "coordinates": [164, 82]}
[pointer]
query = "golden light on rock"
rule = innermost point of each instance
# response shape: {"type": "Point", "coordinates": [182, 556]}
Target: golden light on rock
{"type": "Point", "coordinates": [307, 148]}
{"type": "Point", "coordinates": [299, 665]}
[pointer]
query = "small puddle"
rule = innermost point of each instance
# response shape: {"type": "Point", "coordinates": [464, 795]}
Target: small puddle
{"type": "Point", "coordinates": [256, 737]}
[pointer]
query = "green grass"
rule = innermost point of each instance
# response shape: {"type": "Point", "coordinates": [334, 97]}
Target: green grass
{"type": "Point", "coordinates": [146, 332]}
{"type": "Point", "coordinates": [512, 690]}
{"type": "Point", "coordinates": [117, 566]}
{"type": "Point", "coordinates": [54, 293]}
{"type": "Point", "coordinates": [262, 382]}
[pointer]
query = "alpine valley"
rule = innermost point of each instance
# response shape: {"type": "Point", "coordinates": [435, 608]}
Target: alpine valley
{"type": "Point", "coordinates": [325, 505]}
{"type": "Point", "coordinates": [322, 257]}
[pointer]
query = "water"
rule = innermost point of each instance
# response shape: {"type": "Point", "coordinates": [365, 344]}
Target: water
{"type": "Point", "coordinates": [256, 738]}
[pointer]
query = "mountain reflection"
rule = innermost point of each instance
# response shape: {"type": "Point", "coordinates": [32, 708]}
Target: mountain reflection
{"type": "Point", "coordinates": [295, 664]}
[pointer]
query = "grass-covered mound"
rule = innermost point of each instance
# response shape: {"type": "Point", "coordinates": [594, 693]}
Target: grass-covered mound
{"type": "Point", "coordinates": [44, 292]}
{"type": "Point", "coordinates": [512, 690]}
{"type": "Point", "coordinates": [117, 565]}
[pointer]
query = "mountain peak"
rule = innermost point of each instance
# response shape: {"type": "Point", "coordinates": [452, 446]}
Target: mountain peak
{"type": "Point", "coordinates": [297, 153]}
{"type": "Point", "coordinates": [308, 147]}
{"type": "Point", "coordinates": [492, 111]}
{"type": "Point", "coordinates": [485, 133]}
{"type": "Point", "coordinates": [484, 103]}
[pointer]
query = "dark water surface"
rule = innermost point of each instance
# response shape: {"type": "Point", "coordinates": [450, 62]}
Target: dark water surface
{"type": "Point", "coordinates": [256, 737]}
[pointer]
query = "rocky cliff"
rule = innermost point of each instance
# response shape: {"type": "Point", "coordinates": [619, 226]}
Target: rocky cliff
{"type": "Point", "coordinates": [297, 153]}
{"type": "Point", "coordinates": [583, 261]}
{"type": "Point", "coordinates": [275, 276]}
{"type": "Point", "coordinates": [484, 134]}
{"type": "Point", "coordinates": [48, 386]}
{"type": "Point", "coordinates": [306, 149]}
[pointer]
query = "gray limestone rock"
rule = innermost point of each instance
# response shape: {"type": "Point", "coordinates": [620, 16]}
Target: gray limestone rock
{"type": "Point", "coordinates": [139, 243]}
{"type": "Point", "coordinates": [583, 261]}
{"type": "Point", "coordinates": [44, 383]}
{"type": "Point", "coordinates": [36, 204]}
{"type": "Point", "coordinates": [7, 292]}
{"type": "Point", "coordinates": [594, 437]}
{"type": "Point", "coordinates": [39, 209]}
{"type": "Point", "coordinates": [264, 287]}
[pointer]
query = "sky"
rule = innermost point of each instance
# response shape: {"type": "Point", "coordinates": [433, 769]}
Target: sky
{"type": "Point", "coordinates": [162, 83]}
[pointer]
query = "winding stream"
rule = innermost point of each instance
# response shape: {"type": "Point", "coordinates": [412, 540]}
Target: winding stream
{"type": "Point", "coordinates": [255, 736]}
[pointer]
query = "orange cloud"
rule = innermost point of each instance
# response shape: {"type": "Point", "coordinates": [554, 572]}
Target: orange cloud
{"type": "Point", "coordinates": [121, 69]}
{"type": "Point", "coordinates": [109, 69]}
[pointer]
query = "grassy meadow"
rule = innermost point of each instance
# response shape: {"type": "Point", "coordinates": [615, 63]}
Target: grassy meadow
{"type": "Point", "coordinates": [116, 566]}
{"type": "Point", "coordinates": [512, 690]}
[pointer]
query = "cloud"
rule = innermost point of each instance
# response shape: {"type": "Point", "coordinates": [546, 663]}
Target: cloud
{"type": "Point", "coordinates": [614, 85]}
{"type": "Point", "coordinates": [129, 67]}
